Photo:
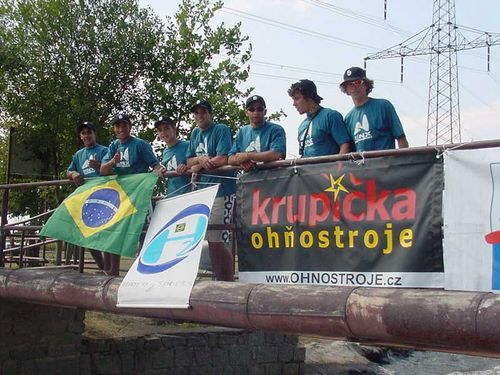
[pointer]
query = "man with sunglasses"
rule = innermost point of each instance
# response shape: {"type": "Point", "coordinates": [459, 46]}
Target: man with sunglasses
{"type": "Point", "coordinates": [323, 132]}
{"type": "Point", "coordinates": [373, 123]}
{"type": "Point", "coordinates": [259, 141]}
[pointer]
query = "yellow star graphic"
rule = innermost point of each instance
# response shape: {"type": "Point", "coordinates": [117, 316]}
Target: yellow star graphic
{"type": "Point", "coordinates": [336, 186]}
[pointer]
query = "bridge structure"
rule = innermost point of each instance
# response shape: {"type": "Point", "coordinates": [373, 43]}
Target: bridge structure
{"type": "Point", "coordinates": [429, 319]}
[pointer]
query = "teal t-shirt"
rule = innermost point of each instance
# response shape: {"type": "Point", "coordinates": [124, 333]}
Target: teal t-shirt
{"type": "Point", "coordinates": [214, 141]}
{"type": "Point", "coordinates": [268, 137]}
{"type": "Point", "coordinates": [80, 160]}
{"type": "Point", "coordinates": [172, 157]}
{"type": "Point", "coordinates": [374, 125]}
{"type": "Point", "coordinates": [327, 132]}
{"type": "Point", "coordinates": [136, 156]}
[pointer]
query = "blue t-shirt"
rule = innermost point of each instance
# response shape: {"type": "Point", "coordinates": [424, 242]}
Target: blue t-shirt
{"type": "Point", "coordinates": [327, 132]}
{"type": "Point", "coordinates": [268, 137]}
{"type": "Point", "coordinates": [80, 160]}
{"type": "Point", "coordinates": [172, 157]}
{"type": "Point", "coordinates": [214, 141]}
{"type": "Point", "coordinates": [374, 125]}
{"type": "Point", "coordinates": [136, 156]}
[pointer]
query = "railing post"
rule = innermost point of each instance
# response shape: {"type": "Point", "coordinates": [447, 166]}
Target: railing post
{"type": "Point", "coordinates": [3, 232]}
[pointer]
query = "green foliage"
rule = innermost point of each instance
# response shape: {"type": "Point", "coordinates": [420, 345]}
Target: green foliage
{"type": "Point", "coordinates": [67, 61]}
{"type": "Point", "coordinates": [199, 62]}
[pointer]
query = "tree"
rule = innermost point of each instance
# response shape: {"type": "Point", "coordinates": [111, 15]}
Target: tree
{"type": "Point", "coordinates": [66, 61]}
{"type": "Point", "coordinates": [199, 62]}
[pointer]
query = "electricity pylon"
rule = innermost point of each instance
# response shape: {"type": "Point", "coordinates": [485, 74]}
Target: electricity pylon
{"type": "Point", "coordinates": [441, 41]}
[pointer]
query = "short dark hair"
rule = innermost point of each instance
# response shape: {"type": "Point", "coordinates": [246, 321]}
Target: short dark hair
{"type": "Point", "coordinates": [307, 88]}
{"type": "Point", "coordinates": [369, 84]}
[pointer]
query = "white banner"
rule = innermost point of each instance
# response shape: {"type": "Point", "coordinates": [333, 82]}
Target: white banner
{"type": "Point", "coordinates": [338, 278]}
{"type": "Point", "coordinates": [471, 210]}
{"type": "Point", "coordinates": [164, 273]}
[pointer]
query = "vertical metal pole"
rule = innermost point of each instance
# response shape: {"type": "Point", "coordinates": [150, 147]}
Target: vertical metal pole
{"type": "Point", "coordinates": [385, 10]}
{"type": "Point", "coordinates": [5, 202]}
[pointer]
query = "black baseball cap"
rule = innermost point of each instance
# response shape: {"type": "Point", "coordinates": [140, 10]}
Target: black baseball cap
{"type": "Point", "coordinates": [307, 88]}
{"type": "Point", "coordinates": [85, 124]}
{"type": "Point", "coordinates": [353, 74]}
{"type": "Point", "coordinates": [202, 103]}
{"type": "Point", "coordinates": [255, 98]}
{"type": "Point", "coordinates": [164, 120]}
{"type": "Point", "coordinates": [121, 117]}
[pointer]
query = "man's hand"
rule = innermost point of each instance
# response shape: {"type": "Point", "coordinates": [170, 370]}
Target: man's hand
{"type": "Point", "coordinates": [76, 177]}
{"type": "Point", "coordinates": [181, 169]}
{"type": "Point", "coordinates": [196, 168]}
{"type": "Point", "coordinates": [117, 158]}
{"type": "Point", "coordinates": [205, 162]}
{"type": "Point", "coordinates": [94, 164]}
{"type": "Point", "coordinates": [159, 170]}
{"type": "Point", "coordinates": [248, 165]}
{"type": "Point", "coordinates": [243, 158]}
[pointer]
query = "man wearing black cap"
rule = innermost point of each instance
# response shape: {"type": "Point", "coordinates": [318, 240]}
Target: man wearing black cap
{"type": "Point", "coordinates": [126, 155]}
{"type": "Point", "coordinates": [259, 141]}
{"type": "Point", "coordinates": [323, 132]}
{"type": "Point", "coordinates": [373, 123]}
{"type": "Point", "coordinates": [208, 148]}
{"type": "Point", "coordinates": [86, 162]}
{"type": "Point", "coordinates": [174, 156]}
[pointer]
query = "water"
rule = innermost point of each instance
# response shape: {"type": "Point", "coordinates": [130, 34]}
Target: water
{"type": "Point", "coordinates": [328, 357]}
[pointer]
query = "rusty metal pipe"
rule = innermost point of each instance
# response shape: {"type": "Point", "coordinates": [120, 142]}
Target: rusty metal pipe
{"type": "Point", "coordinates": [461, 322]}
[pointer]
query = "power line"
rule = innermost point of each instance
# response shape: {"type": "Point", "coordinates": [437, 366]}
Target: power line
{"type": "Point", "coordinates": [295, 29]}
{"type": "Point", "coordinates": [358, 16]}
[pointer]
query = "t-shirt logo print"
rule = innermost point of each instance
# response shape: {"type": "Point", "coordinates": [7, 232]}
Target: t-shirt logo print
{"type": "Point", "coordinates": [172, 164]}
{"type": "Point", "coordinates": [202, 148]}
{"type": "Point", "coordinates": [124, 159]}
{"type": "Point", "coordinates": [86, 168]}
{"type": "Point", "coordinates": [362, 130]}
{"type": "Point", "coordinates": [254, 146]}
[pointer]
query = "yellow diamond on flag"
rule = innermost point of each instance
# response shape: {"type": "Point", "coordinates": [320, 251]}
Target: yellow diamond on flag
{"type": "Point", "coordinates": [99, 207]}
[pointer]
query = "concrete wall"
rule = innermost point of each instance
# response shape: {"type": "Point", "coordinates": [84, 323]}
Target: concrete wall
{"type": "Point", "coordinates": [37, 339]}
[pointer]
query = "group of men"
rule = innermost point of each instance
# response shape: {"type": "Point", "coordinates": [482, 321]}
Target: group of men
{"type": "Point", "coordinates": [371, 125]}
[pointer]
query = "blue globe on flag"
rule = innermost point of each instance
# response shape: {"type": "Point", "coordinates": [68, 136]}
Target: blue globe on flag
{"type": "Point", "coordinates": [100, 207]}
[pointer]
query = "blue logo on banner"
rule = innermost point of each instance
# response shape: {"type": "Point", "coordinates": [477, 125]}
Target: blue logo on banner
{"type": "Point", "coordinates": [175, 240]}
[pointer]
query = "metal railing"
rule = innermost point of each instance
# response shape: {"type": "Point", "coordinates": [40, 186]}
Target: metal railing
{"type": "Point", "coordinates": [9, 230]}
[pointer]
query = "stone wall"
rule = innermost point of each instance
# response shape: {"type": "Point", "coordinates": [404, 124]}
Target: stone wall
{"type": "Point", "coordinates": [224, 352]}
{"type": "Point", "coordinates": [37, 339]}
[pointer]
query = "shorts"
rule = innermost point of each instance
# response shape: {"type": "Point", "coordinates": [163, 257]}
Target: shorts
{"type": "Point", "coordinates": [222, 213]}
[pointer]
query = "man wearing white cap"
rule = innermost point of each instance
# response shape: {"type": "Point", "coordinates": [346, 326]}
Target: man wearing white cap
{"type": "Point", "coordinates": [373, 123]}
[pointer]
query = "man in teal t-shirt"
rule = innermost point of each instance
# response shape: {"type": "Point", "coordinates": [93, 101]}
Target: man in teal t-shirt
{"type": "Point", "coordinates": [373, 123]}
{"type": "Point", "coordinates": [85, 163]}
{"type": "Point", "coordinates": [259, 141]}
{"type": "Point", "coordinates": [323, 132]}
{"type": "Point", "coordinates": [174, 157]}
{"type": "Point", "coordinates": [208, 149]}
{"type": "Point", "coordinates": [126, 155]}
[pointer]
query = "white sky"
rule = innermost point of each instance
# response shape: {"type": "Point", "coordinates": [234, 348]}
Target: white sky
{"type": "Point", "coordinates": [350, 34]}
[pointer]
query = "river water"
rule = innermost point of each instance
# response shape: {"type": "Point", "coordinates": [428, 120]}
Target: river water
{"type": "Point", "coordinates": [328, 357]}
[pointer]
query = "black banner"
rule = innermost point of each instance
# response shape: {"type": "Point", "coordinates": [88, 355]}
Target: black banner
{"type": "Point", "coordinates": [382, 215]}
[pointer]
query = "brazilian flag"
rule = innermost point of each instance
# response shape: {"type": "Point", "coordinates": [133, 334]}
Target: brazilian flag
{"type": "Point", "coordinates": [105, 213]}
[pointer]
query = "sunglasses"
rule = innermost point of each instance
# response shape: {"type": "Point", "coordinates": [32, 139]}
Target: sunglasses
{"type": "Point", "coordinates": [256, 109]}
{"type": "Point", "coordinates": [355, 83]}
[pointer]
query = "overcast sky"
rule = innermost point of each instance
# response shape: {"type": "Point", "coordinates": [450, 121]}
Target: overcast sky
{"type": "Point", "coordinates": [318, 40]}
